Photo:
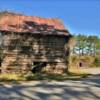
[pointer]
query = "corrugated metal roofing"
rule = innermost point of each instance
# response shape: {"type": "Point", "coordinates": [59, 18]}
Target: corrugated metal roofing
{"type": "Point", "coordinates": [32, 24]}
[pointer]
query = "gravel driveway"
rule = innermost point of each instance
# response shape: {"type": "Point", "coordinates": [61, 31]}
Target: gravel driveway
{"type": "Point", "coordinates": [84, 89]}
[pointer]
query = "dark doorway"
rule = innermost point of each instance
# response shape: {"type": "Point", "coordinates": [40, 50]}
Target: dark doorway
{"type": "Point", "coordinates": [38, 66]}
{"type": "Point", "coordinates": [80, 64]}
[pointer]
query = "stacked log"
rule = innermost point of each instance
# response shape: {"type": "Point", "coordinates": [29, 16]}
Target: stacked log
{"type": "Point", "coordinates": [20, 51]}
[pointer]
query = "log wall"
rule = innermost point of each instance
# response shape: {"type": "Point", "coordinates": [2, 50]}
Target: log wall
{"type": "Point", "coordinates": [21, 50]}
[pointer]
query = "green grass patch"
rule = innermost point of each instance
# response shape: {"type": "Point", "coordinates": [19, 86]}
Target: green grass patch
{"type": "Point", "coordinates": [69, 76]}
{"type": "Point", "coordinates": [13, 78]}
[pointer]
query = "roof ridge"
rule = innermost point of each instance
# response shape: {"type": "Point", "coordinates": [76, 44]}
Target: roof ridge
{"type": "Point", "coordinates": [27, 23]}
{"type": "Point", "coordinates": [20, 14]}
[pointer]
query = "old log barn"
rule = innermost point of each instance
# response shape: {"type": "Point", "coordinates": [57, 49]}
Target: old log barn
{"type": "Point", "coordinates": [33, 44]}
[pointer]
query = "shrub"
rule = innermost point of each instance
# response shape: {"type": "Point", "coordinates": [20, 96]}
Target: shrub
{"type": "Point", "coordinates": [97, 61]}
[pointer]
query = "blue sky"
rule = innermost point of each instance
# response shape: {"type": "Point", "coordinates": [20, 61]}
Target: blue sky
{"type": "Point", "coordinates": [79, 16]}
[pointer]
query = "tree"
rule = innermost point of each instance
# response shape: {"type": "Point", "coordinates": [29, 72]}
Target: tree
{"type": "Point", "coordinates": [80, 44]}
{"type": "Point", "coordinates": [92, 42]}
{"type": "Point", "coordinates": [86, 45]}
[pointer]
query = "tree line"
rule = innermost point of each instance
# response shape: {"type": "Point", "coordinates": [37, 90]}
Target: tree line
{"type": "Point", "coordinates": [86, 45]}
{"type": "Point", "coordinates": [87, 48]}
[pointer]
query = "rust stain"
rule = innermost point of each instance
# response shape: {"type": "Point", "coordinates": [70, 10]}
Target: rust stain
{"type": "Point", "coordinates": [21, 23]}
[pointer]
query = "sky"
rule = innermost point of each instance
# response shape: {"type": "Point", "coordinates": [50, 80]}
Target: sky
{"type": "Point", "coordinates": [78, 16]}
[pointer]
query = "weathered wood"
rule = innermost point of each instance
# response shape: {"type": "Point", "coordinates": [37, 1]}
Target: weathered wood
{"type": "Point", "coordinates": [20, 51]}
{"type": "Point", "coordinates": [55, 68]}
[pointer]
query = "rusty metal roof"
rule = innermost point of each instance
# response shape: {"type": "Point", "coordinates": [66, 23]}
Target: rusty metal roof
{"type": "Point", "coordinates": [31, 24]}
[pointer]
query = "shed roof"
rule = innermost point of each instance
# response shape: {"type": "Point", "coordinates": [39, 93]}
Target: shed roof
{"type": "Point", "coordinates": [31, 24]}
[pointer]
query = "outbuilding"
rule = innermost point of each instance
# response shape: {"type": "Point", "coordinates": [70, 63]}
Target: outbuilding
{"type": "Point", "coordinates": [34, 44]}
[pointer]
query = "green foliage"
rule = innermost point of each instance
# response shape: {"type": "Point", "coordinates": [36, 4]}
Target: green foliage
{"type": "Point", "coordinates": [14, 78]}
{"type": "Point", "coordinates": [74, 59]}
{"type": "Point", "coordinates": [87, 45]}
{"type": "Point", "coordinates": [97, 61]}
{"type": "Point", "coordinates": [41, 76]}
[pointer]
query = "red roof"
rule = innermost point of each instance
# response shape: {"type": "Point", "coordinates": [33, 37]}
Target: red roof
{"type": "Point", "coordinates": [21, 23]}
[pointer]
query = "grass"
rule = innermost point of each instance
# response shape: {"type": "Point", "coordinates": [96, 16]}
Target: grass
{"type": "Point", "coordinates": [49, 77]}
{"type": "Point", "coordinates": [11, 77]}
{"type": "Point", "coordinates": [74, 74]}
{"type": "Point", "coordinates": [76, 70]}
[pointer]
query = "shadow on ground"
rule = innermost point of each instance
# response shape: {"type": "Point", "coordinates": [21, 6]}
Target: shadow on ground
{"type": "Point", "coordinates": [83, 89]}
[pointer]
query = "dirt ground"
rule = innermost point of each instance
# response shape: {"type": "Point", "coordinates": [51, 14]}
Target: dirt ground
{"type": "Point", "coordinates": [93, 71]}
{"type": "Point", "coordinates": [82, 89]}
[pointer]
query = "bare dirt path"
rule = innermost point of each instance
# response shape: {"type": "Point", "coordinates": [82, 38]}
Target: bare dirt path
{"type": "Point", "coordinates": [93, 71]}
{"type": "Point", "coordinates": [84, 89]}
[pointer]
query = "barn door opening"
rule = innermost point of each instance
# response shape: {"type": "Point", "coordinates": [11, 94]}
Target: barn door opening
{"type": "Point", "coordinates": [38, 66]}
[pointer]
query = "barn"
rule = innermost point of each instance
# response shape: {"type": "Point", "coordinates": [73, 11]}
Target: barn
{"type": "Point", "coordinates": [31, 43]}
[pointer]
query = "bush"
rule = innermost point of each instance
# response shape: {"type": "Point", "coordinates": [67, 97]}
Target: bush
{"type": "Point", "coordinates": [87, 60]}
{"type": "Point", "coordinates": [97, 62]}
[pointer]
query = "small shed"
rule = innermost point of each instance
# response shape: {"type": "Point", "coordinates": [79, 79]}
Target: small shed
{"type": "Point", "coordinates": [34, 44]}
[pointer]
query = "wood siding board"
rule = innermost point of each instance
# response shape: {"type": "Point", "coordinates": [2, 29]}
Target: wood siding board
{"type": "Point", "coordinates": [27, 49]}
